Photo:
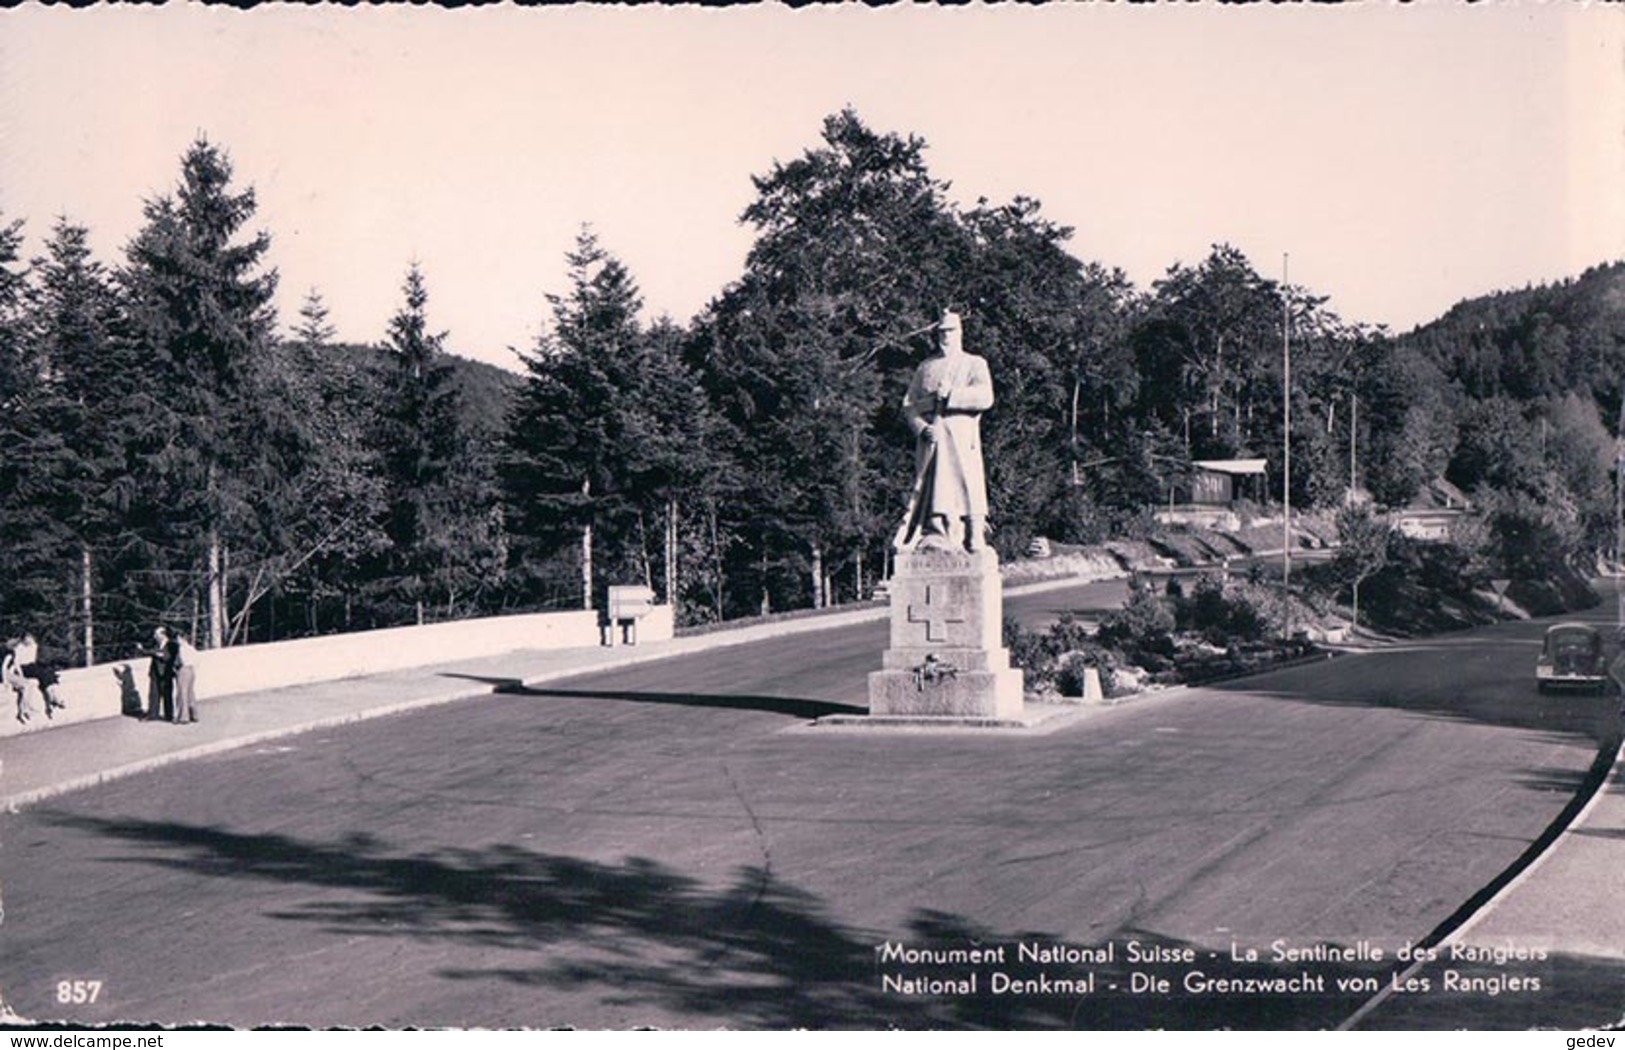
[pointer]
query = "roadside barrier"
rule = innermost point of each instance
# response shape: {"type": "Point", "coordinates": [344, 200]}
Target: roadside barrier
{"type": "Point", "coordinates": [120, 687]}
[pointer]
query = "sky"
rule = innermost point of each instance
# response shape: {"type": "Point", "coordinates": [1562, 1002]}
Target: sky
{"type": "Point", "coordinates": [1401, 157]}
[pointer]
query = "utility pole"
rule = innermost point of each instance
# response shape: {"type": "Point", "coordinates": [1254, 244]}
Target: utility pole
{"type": "Point", "coordinates": [1286, 470]}
{"type": "Point", "coordinates": [1619, 519]}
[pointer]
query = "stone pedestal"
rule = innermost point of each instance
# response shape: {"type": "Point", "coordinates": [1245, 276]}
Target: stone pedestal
{"type": "Point", "coordinates": [947, 657]}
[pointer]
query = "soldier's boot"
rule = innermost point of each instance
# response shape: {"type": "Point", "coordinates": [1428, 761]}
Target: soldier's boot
{"type": "Point", "coordinates": [935, 534]}
{"type": "Point", "coordinates": [975, 532]}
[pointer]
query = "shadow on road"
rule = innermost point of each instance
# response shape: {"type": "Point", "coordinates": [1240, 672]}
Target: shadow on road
{"type": "Point", "coordinates": [754, 953]}
{"type": "Point", "coordinates": [501, 683]}
{"type": "Point", "coordinates": [781, 705]}
{"type": "Point", "coordinates": [1554, 779]}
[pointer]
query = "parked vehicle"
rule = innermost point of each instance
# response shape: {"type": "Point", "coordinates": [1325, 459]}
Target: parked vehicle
{"type": "Point", "coordinates": [1572, 658]}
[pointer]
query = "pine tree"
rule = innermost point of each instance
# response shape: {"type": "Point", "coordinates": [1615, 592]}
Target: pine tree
{"type": "Point", "coordinates": [31, 537]}
{"type": "Point", "coordinates": [421, 438]}
{"type": "Point", "coordinates": [565, 444]}
{"type": "Point", "coordinates": [203, 308]}
{"type": "Point", "coordinates": [90, 400]}
{"type": "Point", "coordinates": [314, 329]}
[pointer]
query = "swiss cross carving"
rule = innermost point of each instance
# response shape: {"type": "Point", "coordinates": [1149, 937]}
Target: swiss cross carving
{"type": "Point", "coordinates": [934, 614]}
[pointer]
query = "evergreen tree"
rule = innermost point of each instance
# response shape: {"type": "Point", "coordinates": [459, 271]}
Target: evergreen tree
{"type": "Point", "coordinates": [13, 286]}
{"type": "Point", "coordinates": [585, 424]}
{"type": "Point", "coordinates": [202, 306]}
{"type": "Point", "coordinates": [32, 539]}
{"type": "Point", "coordinates": [420, 439]}
{"type": "Point", "coordinates": [676, 469]}
{"type": "Point", "coordinates": [90, 398]}
{"type": "Point", "coordinates": [314, 330]}
{"type": "Point", "coordinates": [319, 505]}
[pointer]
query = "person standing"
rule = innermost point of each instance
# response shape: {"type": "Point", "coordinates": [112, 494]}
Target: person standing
{"type": "Point", "coordinates": [184, 668]}
{"type": "Point", "coordinates": [161, 676]}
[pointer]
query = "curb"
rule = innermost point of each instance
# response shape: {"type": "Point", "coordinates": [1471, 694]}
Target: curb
{"type": "Point", "coordinates": [12, 803]}
{"type": "Point", "coordinates": [1600, 775]}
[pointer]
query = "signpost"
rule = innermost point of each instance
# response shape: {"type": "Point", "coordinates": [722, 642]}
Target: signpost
{"type": "Point", "coordinates": [1500, 587]}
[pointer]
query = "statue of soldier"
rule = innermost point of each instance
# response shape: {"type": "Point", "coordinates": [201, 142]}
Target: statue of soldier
{"type": "Point", "coordinates": [948, 506]}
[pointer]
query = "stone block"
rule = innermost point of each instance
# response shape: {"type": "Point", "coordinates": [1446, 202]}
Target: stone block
{"type": "Point", "coordinates": [947, 598]}
{"type": "Point", "coordinates": [965, 694]}
{"type": "Point", "coordinates": [947, 657]}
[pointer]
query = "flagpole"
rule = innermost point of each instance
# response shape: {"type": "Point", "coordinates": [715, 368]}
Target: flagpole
{"type": "Point", "coordinates": [1619, 519]}
{"type": "Point", "coordinates": [1286, 470]}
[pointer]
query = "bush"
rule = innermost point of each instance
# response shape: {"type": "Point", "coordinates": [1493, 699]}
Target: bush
{"type": "Point", "coordinates": [1071, 673]}
{"type": "Point", "coordinates": [1068, 634]}
{"type": "Point", "coordinates": [1058, 658]}
{"type": "Point", "coordinates": [1206, 612]}
{"type": "Point", "coordinates": [1222, 614]}
{"type": "Point", "coordinates": [1248, 620]}
{"type": "Point", "coordinates": [1029, 650]}
{"type": "Point", "coordinates": [1142, 627]}
{"type": "Point", "coordinates": [1426, 585]}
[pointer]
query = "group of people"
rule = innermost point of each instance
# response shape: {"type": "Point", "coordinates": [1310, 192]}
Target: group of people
{"type": "Point", "coordinates": [171, 678]}
{"type": "Point", "coordinates": [23, 673]}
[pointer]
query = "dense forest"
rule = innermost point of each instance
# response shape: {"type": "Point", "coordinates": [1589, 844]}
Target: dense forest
{"type": "Point", "coordinates": [260, 481]}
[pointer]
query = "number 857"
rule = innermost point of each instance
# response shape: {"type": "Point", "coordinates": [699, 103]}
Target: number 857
{"type": "Point", "coordinates": [79, 992]}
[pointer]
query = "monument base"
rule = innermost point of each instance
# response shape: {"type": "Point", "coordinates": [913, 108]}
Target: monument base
{"type": "Point", "coordinates": [967, 694]}
{"type": "Point", "coordinates": [947, 658]}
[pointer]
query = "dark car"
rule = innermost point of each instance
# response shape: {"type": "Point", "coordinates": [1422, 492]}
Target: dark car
{"type": "Point", "coordinates": [1572, 658]}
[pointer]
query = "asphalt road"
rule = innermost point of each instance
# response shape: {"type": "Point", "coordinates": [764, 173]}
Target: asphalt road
{"type": "Point", "coordinates": [670, 845]}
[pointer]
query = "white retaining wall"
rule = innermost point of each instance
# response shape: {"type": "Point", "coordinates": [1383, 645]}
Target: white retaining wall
{"type": "Point", "coordinates": [107, 690]}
